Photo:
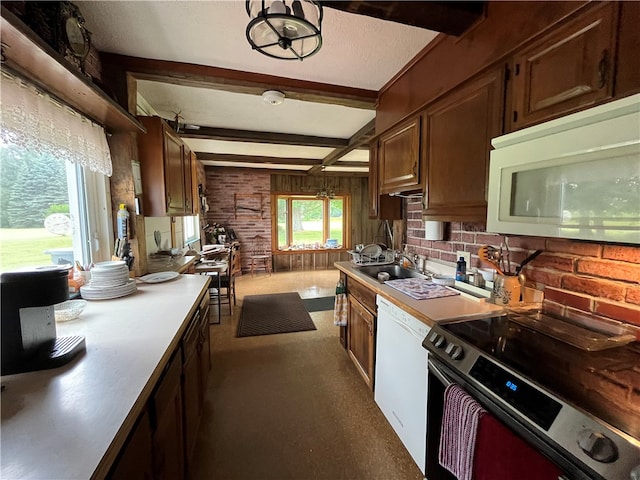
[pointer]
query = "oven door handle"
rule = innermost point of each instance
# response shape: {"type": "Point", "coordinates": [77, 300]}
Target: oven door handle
{"type": "Point", "coordinates": [433, 369]}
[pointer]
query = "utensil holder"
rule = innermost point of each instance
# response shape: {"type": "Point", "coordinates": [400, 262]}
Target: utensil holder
{"type": "Point", "coordinates": [506, 290]}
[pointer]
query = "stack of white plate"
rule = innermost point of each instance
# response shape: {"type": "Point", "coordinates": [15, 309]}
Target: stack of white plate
{"type": "Point", "coordinates": [108, 280]}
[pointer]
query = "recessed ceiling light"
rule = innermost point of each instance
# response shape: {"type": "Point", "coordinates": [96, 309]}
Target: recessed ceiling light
{"type": "Point", "coordinates": [273, 97]}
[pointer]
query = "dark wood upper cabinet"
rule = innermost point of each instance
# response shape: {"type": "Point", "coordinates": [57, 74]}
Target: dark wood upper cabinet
{"type": "Point", "coordinates": [566, 70]}
{"type": "Point", "coordinates": [459, 129]}
{"type": "Point", "coordinates": [382, 207]}
{"type": "Point", "coordinates": [165, 164]}
{"type": "Point", "coordinates": [627, 65]}
{"type": "Point", "coordinates": [399, 157]}
{"type": "Point", "coordinates": [374, 190]}
{"type": "Point", "coordinates": [174, 172]}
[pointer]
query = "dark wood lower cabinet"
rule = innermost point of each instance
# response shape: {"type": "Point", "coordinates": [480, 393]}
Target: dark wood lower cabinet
{"type": "Point", "coordinates": [191, 387]}
{"type": "Point", "coordinates": [166, 409]}
{"type": "Point", "coordinates": [136, 460]}
{"type": "Point", "coordinates": [361, 342]}
{"type": "Point", "coordinates": [204, 351]}
{"type": "Point", "coordinates": [195, 373]}
{"type": "Point", "coordinates": [161, 444]}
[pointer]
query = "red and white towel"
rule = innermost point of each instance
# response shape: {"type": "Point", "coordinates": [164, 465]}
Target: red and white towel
{"type": "Point", "coordinates": [460, 418]}
{"type": "Point", "coordinates": [340, 308]}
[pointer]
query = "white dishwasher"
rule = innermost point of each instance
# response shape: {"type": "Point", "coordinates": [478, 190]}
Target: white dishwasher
{"type": "Point", "coordinates": [401, 376]}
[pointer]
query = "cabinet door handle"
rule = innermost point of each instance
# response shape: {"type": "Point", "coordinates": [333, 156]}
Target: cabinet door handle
{"type": "Point", "coordinates": [168, 200]}
{"type": "Point", "coordinates": [603, 68]}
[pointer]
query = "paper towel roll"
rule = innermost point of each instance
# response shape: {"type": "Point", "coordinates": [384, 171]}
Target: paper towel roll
{"type": "Point", "coordinates": [433, 230]}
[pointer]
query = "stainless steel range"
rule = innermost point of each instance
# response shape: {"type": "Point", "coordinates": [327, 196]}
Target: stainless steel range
{"type": "Point", "coordinates": [580, 408]}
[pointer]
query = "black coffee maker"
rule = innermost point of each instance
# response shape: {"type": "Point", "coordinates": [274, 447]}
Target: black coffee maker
{"type": "Point", "coordinates": [28, 325]}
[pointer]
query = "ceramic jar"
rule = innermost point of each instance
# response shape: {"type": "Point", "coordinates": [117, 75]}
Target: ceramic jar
{"type": "Point", "coordinates": [506, 290]}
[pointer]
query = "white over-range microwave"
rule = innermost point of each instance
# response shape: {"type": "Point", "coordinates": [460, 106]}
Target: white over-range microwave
{"type": "Point", "coordinates": [574, 177]}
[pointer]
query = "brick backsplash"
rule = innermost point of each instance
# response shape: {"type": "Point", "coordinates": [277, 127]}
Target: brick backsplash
{"type": "Point", "coordinates": [575, 275]}
{"type": "Point", "coordinates": [222, 186]}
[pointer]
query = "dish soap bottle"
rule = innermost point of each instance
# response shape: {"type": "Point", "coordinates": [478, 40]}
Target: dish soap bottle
{"type": "Point", "coordinates": [461, 270]}
{"type": "Point", "coordinates": [123, 221]}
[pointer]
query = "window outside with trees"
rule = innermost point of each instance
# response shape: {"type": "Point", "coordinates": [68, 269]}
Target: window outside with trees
{"type": "Point", "coordinates": [306, 222]}
{"type": "Point", "coordinates": [43, 210]}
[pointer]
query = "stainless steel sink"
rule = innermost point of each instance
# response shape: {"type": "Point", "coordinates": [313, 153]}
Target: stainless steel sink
{"type": "Point", "coordinates": [394, 271]}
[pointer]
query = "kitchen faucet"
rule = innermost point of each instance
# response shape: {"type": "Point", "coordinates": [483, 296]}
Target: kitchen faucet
{"type": "Point", "coordinates": [407, 257]}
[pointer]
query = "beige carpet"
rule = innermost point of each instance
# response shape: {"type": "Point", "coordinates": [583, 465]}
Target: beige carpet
{"type": "Point", "coordinates": [292, 406]}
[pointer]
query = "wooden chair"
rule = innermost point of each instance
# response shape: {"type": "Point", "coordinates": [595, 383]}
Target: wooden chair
{"type": "Point", "coordinates": [260, 254]}
{"type": "Point", "coordinates": [228, 279]}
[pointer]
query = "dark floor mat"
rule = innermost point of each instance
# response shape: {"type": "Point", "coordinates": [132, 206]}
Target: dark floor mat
{"type": "Point", "coordinates": [273, 313]}
{"type": "Point", "coordinates": [319, 304]}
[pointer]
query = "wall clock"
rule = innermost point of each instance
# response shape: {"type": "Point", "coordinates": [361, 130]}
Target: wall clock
{"type": "Point", "coordinates": [74, 34]}
{"type": "Point", "coordinates": [77, 37]}
{"type": "Point", "coordinates": [61, 25]}
{"type": "Point", "coordinates": [58, 224]}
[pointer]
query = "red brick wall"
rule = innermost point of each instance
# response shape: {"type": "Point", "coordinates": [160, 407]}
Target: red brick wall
{"type": "Point", "coordinates": [221, 185]}
{"type": "Point", "coordinates": [575, 275]}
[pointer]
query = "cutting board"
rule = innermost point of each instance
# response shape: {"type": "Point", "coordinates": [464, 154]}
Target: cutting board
{"type": "Point", "coordinates": [420, 289]}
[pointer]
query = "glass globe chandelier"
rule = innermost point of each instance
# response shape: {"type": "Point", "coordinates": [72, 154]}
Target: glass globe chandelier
{"type": "Point", "coordinates": [286, 30]}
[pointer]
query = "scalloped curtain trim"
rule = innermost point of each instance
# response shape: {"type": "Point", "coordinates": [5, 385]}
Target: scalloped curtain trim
{"type": "Point", "coordinates": [34, 120]}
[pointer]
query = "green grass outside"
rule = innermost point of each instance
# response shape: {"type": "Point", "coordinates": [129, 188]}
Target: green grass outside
{"type": "Point", "coordinates": [21, 247]}
{"type": "Point", "coordinates": [313, 232]}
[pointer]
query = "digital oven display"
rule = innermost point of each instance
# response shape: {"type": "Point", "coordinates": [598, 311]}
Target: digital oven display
{"type": "Point", "coordinates": [531, 402]}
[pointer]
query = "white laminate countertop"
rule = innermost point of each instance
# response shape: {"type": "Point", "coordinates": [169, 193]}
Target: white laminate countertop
{"type": "Point", "coordinates": [70, 422]}
{"type": "Point", "coordinates": [428, 311]}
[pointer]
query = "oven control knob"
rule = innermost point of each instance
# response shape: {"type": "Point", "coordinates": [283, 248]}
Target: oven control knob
{"type": "Point", "coordinates": [438, 340]}
{"type": "Point", "coordinates": [455, 351]}
{"type": "Point", "coordinates": [597, 446]}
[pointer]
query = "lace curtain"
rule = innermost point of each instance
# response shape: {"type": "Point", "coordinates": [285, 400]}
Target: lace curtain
{"type": "Point", "coordinates": [33, 120]}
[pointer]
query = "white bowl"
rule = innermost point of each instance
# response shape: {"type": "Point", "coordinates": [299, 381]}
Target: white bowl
{"type": "Point", "coordinates": [69, 310]}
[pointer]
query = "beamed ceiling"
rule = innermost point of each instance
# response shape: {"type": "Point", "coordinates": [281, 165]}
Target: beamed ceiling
{"type": "Point", "coordinates": [192, 59]}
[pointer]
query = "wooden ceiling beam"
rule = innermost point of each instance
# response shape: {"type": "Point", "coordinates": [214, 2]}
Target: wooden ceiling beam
{"type": "Point", "coordinates": [303, 162]}
{"type": "Point", "coordinates": [237, 81]}
{"type": "Point", "coordinates": [276, 171]}
{"type": "Point", "coordinates": [225, 157]}
{"type": "Point", "coordinates": [358, 139]}
{"type": "Point", "coordinates": [451, 18]}
{"type": "Point", "coordinates": [209, 133]}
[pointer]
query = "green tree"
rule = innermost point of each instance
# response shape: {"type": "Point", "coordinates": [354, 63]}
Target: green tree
{"type": "Point", "coordinates": [40, 182]}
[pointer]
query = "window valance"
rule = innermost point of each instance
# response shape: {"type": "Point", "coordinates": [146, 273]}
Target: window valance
{"type": "Point", "coordinates": [33, 119]}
